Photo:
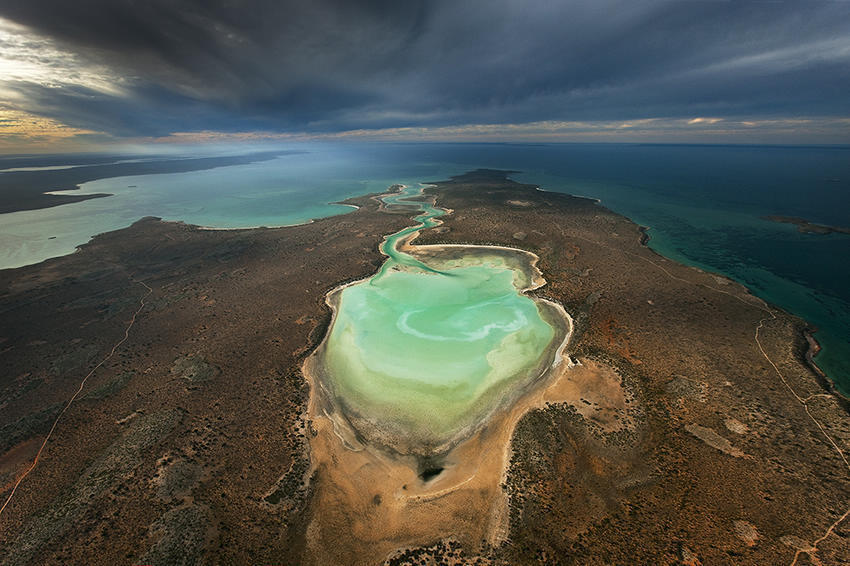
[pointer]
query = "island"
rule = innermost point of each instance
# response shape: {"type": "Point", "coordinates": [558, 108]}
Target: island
{"type": "Point", "coordinates": [617, 407]}
{"type": "Point", "coordinates": [806, 227]}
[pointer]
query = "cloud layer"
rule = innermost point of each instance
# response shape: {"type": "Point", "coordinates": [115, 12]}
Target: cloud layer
{"type": "Point", "coordinates": [154, 68]}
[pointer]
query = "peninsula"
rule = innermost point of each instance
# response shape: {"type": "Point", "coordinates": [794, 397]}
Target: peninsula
{"type": "Point", "coordinates": [628, 409]}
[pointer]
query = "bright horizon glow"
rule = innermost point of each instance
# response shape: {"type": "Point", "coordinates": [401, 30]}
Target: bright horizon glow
{"type": "Point", "coordinates": [27, 133]}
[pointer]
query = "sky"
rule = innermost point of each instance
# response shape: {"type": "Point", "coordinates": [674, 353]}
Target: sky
{"type": "Point", "coordinates": [92, 74]}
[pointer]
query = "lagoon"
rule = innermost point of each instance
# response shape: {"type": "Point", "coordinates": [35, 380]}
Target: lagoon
{"type": "Point", "coordinates": [423, 351]}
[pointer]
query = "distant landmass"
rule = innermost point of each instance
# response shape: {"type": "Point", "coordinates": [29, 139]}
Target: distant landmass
{"type": "Point", "coordinates": [807, 227]}
{"type": "Point", "coordinates": [26, 188]}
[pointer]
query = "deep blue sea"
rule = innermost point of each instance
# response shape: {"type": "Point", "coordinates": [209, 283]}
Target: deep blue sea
{"type": "Point", "coordinates": [704, 206]}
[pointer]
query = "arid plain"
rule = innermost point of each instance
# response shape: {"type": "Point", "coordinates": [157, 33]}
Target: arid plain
{"type": "Point", "coordinates": [683, 426]}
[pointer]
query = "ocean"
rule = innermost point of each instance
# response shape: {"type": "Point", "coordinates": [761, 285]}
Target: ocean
{"type": "Point", "coordinates": [704, 205]}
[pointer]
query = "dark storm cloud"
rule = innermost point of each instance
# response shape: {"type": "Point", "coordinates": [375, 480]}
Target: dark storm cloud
{"type": "Point", "coordinates": [335, 65]}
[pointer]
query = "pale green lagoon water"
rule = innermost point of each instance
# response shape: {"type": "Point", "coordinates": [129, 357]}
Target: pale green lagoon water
{"type": "Point", "coordinates": [428, 350]}
{"type": "Point", "coordinates": [291, 189]}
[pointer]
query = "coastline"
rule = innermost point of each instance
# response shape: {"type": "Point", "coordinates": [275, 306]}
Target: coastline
{"type": "Point", "coordinates": [272, 227]}
{"type": "Point", "coordinates": [49, 199]}
{"type": "Point", "coordinates": [806, 226]}
{"type": "Point", "coordinates": [184, 223]}
{"type": "Point", "coordinates": [808, 357]}
{"type": "Point", "coordinates": [812, 349]}
{"type": "Point", "coordinates": [30, 190]}
{"type": "Point", "coordinates": [808, 333]}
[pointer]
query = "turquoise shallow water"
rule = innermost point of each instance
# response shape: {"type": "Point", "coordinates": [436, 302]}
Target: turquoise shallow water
{"type": "Point", "coordinates": [703, 203]}
{"type": "Point", "coordinates": [291, 189]}
{"type": "Point", "coordinates": [428, 350]}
